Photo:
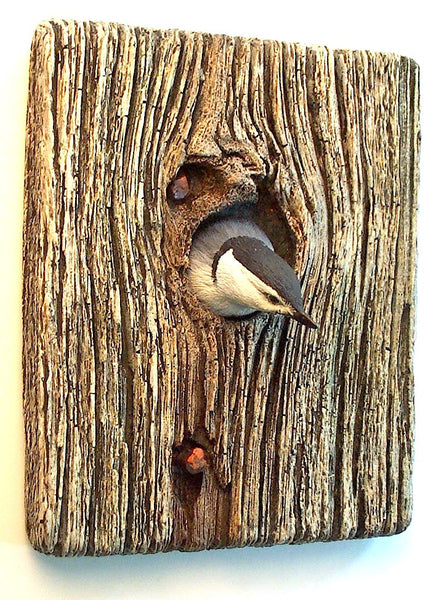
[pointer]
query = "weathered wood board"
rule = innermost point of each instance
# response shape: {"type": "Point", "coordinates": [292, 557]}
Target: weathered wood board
{"type": "Point", "coordinates": [309, 434]}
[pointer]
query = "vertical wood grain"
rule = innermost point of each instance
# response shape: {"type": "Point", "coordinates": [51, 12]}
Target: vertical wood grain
{"type": "Point", "coordinates": [309, 434]}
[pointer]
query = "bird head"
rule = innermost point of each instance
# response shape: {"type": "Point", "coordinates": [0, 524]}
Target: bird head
{"type": "Point", "coordinates": [251, 277]}
{"type": "Point", "coordinates": [235, 272]}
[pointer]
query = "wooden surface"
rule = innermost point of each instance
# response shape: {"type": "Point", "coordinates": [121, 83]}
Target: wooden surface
{"type": "Point", "coordinates": [309, 434]}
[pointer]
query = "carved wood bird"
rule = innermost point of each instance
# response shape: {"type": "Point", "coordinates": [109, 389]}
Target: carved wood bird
{"type": "Point", "coordinates": [235, 272]}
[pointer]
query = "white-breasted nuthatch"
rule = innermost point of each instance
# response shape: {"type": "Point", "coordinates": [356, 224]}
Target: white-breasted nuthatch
{"type": "Point", "coordinates": [235, 272]}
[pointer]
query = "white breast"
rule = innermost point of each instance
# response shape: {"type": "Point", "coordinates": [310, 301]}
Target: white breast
{"type": "Point", "coordinates": [206, 244]}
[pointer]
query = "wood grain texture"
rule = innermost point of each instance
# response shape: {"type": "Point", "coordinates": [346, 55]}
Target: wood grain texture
{"type": "Point", "coordinates": [309, 434]}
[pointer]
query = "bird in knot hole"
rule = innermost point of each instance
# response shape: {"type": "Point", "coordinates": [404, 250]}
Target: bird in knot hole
{"type": "Point", "coordinates": [234, 271]}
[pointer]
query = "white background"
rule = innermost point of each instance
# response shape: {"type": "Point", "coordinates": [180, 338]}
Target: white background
{"type": "Point", "coordinates": [404, 565]}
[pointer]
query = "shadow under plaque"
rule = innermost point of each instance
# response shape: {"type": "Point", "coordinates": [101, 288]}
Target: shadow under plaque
{"type": "Point", "coordinates": [307, 435]}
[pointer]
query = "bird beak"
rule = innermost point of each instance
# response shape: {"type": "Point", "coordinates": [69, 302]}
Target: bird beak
{"type": "Point", "coordinates": [302, 318]}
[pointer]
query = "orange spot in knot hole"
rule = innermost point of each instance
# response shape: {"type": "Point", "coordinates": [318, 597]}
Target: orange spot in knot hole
{"type": "Point", "coordinates": [192, 459]}
{"type": "Point", "coordinates": [196, 462]}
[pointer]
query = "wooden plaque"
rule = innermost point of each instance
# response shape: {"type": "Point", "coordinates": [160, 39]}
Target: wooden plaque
{"type": "Point", "coordinates": [308, 434]}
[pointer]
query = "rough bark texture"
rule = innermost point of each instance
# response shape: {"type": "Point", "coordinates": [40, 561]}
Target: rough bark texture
{"type": "Point", "coordinates": [309, 434]}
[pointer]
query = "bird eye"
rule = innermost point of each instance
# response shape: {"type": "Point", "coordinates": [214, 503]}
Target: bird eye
{"type": "Point", "coordinates": [273, 299]}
